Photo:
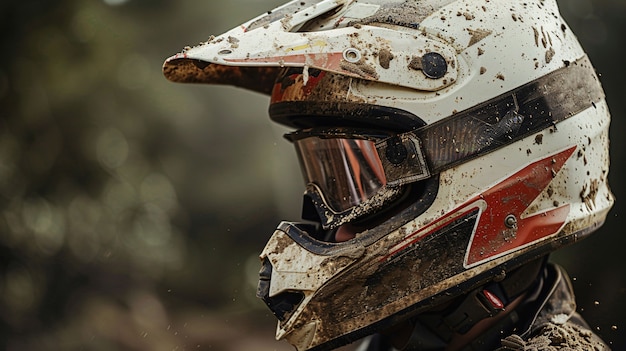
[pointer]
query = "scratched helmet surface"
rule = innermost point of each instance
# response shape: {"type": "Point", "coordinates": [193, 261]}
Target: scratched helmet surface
{"type": "Point", "coordinates": [462, 139]}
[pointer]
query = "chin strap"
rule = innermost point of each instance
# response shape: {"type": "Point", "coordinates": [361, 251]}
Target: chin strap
{"type": "Point", "coordinates": [433, 331]}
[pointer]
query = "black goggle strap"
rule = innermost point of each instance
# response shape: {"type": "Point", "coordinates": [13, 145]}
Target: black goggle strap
{"type": "Point", "coordinates": [529, 109]}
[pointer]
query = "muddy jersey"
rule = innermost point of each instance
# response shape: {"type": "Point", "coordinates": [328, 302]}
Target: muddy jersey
{"type": "Point", "coordinates": [546, 321]}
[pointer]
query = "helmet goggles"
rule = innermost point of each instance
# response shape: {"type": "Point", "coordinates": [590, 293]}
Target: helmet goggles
{"type": "Point", "coordinates": [350, 173]}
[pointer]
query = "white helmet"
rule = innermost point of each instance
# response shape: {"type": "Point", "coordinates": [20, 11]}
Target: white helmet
{"type": "Point", "coordinates": [463, 139]}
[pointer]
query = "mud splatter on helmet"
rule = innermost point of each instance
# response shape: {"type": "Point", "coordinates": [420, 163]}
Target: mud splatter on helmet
{"type": "Point", "coordinates": [465, 139]}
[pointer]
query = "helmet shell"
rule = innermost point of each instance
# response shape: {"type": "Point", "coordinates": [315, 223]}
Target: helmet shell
{"type": "Point", "coordinates": [342, 62]}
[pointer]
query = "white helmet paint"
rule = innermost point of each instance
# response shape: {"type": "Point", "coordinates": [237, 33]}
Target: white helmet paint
{"type": "Point", "coordinates": [502, 129]}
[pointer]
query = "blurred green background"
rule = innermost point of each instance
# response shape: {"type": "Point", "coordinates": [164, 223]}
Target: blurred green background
{"type": "Point", "coordinates": [132, 209]}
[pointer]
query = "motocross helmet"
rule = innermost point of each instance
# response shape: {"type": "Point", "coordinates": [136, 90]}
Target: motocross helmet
{"type": "Point", "coordinates": [459, 140]}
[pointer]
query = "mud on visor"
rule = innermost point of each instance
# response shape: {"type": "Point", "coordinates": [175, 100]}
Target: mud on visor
{"type": "Point", "coordinates": [354, 172]}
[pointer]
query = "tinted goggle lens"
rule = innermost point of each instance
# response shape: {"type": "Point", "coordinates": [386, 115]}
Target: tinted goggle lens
{"type": "Point", "coordinates": [346, 171]}
{"type": "Point", "coordinates": [349, 169]}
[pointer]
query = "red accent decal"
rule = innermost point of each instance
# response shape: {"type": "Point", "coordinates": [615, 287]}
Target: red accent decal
{"type": "Point", "coordinates": [296, 90]}
{"type": "Point", "coordinates": [511, 198]}
{"type": "Point", "coordinates": [493, 299]}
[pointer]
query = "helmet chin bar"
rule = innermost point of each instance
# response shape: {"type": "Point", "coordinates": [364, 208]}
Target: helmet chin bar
{"type": "Point", "coordinates": [329, 295]}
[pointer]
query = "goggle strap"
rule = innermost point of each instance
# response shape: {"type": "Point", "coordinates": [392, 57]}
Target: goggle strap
{"type": "Point", "coordinates": [531, 108]}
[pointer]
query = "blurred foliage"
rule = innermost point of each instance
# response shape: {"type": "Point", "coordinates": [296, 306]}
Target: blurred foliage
{"type": "Point", "coordinates": [132, 209]}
